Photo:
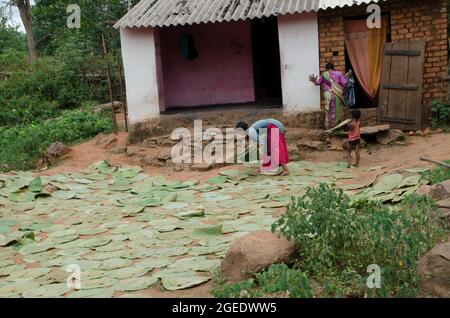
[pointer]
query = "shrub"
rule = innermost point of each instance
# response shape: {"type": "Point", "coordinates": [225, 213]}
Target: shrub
{"type": "Point", "coordinates": [440, 115]}
{"type": "Point", "coordinates": [437, 175]}
{"type": "Point", "coordinates": [277, 279]}
{"type": "Point", "coordinates": [339, 239]}
{"type": "Point", "coordinates": [21, 146]}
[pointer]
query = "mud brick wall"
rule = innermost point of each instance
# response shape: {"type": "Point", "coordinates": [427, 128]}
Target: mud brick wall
{"type": "Point", "coordinates": [409, 19]}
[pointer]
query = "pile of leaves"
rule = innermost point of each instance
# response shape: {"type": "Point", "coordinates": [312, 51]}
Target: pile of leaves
{"type": "Point", "coordinates": [129, 231]}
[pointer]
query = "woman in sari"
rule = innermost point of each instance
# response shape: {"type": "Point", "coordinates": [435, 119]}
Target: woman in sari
{"type": "Point", "coordinates": [276, 153]}
{"type": "Point", "coordinates": [334, 84]}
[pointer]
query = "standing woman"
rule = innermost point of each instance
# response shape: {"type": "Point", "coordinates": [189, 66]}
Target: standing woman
{"type": "Point", "coordinates": [276, 156]}
{"type": "Point", "coordinates": [334, 84]}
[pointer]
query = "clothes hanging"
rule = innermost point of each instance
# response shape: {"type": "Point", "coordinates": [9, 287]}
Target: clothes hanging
{"type": "Point", "coordinates": [187, 46]}
{"type": "Point", "coordinates": [350, 96]}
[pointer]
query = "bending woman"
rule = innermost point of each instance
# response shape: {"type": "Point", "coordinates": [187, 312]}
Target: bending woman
{"type": "Point", "coordinates": [276, 154]}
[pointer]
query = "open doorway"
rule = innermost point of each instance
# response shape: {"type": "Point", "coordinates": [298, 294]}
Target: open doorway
{"type": "Point", "coordinates": [266, 61]}
{"type": "Point", "coordinates": [363, 55]}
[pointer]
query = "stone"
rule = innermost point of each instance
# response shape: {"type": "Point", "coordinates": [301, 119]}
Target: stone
{"type": "Point", "coordinates": [56, 151]}
{"type": "Point", "coordinates": [390, 136]}
{"type": "Point", "coordinates": [444, 204]}
{"type": "Point", "coordinates": [134, 151]}
{"type": "Point", "coordinates": [424, 190]}
{"type": "Point", "coordinates": [434, 268]}
{"type": "Point", "coordinates": [256, 252]}
{"type": "Point", "coordinates": [152, 160]}
{"type": "Point", "coordinates": [149, 143]}
{"type": "Point", "coordinates": [304, 145]}
{"type": "Point", "coordinates": [106, 141]}
{"type": "Point", "coordinates": [178, 168]}
{"type": "Point", "coordinates": [445, 217]}
{"type": "Point", "coordinates": [441, 190]}
{"type": "Point", "coordinates": [119, 150]}
{"type": "Point", "coordinates": [202, 167]}
{"type": "Point", "coordinates": [419, 133]}
{"type": "Point", "coordinates": [427, 131]}
{"type": "Point", "coordinates": [165, 154]}
{"type": "Point", "coordinates": [411, 133]}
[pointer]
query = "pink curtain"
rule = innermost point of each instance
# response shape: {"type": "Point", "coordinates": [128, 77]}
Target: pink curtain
{"type": "Point", "coordinates": [365, 49]}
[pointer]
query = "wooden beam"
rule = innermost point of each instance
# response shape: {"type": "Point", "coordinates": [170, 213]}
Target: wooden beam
{"type": "Point", "coordinates": [403, 87]}
{"type": "Point", "coordinates": [402, 52]}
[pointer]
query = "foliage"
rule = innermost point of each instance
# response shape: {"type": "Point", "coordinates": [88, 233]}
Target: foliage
{"type": "Point", "coordinates": [11, 39]}
{"type": "Point", "coordinates": [21, 146]}
{"type": "Point", "coordinates": [440, 115]}
{"type": "Point", "coordinates": [339, 239]}
{"type": "Point", "coordinates": [437, 175]}
{"type": "Point", "coordinates": [50, 22]}
{"type": "Point", "coordinates": [277, 279]}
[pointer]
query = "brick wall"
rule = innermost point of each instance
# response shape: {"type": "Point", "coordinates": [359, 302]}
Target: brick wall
{"type": "Point", "coordinates": [409, 19]}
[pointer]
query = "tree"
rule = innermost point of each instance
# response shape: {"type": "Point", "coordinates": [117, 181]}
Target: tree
{"type": "Point", "coordinates": [24, 7]}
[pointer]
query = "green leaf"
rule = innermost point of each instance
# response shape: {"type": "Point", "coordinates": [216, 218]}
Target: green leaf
{"type": "Point", "coordinates": [35, 185]}
{"type": "Point", "coordinates": [207, 231]}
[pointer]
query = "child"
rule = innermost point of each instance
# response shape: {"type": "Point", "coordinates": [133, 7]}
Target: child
{"type": "Point", "coordinates": [354, 138]}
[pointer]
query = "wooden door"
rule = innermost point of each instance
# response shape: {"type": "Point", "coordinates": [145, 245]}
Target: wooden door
{"type": "Point", "coordinates": [401, 84]}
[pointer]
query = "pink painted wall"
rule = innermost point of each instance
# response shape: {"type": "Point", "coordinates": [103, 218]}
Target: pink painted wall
{"type": "Point", "coordinates": [223, 72]}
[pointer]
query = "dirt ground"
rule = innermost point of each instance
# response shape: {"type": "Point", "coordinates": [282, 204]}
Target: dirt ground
{"type": "Point", "coordinates": [393, 158]}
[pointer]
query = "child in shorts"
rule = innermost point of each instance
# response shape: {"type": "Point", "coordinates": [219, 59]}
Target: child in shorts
{"type": "Point", "coordinates": [354, 138]}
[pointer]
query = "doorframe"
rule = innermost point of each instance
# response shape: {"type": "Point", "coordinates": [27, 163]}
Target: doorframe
{"type": "Point", "coordinates": [389, 39]}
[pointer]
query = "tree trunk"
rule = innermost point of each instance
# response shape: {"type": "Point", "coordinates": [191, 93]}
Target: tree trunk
{"type": "Point", "coordinates": [27, 20]}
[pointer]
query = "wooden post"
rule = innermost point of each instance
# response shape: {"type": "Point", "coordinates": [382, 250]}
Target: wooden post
{"type": "Point", "coordinates": [122, 92]}
{"type": "Point", "coordinates": [105, 51]}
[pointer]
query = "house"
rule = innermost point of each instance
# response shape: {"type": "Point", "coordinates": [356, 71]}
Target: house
{"type": "Point", "coordinates": [228, 60]}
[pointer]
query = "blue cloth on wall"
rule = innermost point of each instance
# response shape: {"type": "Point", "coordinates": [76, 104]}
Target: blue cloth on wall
{"type": "Point", "coordinates": [349, 94]}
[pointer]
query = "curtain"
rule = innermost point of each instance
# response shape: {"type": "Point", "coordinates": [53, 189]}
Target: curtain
{"type": "Point", "coordinates": [365, 50]}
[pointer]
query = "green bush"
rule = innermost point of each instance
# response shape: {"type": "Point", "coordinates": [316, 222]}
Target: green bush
{"type": "Point", "coordinates": [339, 239]}
{"type": "Point", "coordinates": [277, 279]}
{"type": "Point", "coordinates": [21, 146]}
{"type": "Point", "coordinates": [437, 175]}
{"type": "Point", "coordinates": [440, 115]}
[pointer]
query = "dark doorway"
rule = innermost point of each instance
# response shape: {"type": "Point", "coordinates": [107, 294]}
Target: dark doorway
{"type": "Point", "coordinates": [362, 100]}
{"type": "Point", "coordinates": [266, 61]}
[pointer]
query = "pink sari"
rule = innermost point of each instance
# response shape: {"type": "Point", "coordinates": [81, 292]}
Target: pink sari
{"type": "Point", "coordinates": [277, 154]}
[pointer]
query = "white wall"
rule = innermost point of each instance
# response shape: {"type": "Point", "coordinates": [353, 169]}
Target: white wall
{"type": "Point", "coordinates": [299, 51]}
{"type": "Point", "coordinates": [139, 51]}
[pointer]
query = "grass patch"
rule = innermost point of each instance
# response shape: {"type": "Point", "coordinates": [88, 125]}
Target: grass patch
{"type": "Point", "coordinates": [437, 175]}
{"type": "Point", "coordinates": [21, 146]}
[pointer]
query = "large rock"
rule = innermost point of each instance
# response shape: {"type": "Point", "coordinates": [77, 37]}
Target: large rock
{"type": "Point", "coordinates": [441, 190]}
{"type": "Point", "coordinates": [256, 252]}
{"type": "Point", "coordinates": [390, 136]}
{"type": "Point", "coordinates": [56, 151]}
{"type": "Point", "coordinates": [106, 141]}
{"type": "Point", "coordinates": [434, 268]}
